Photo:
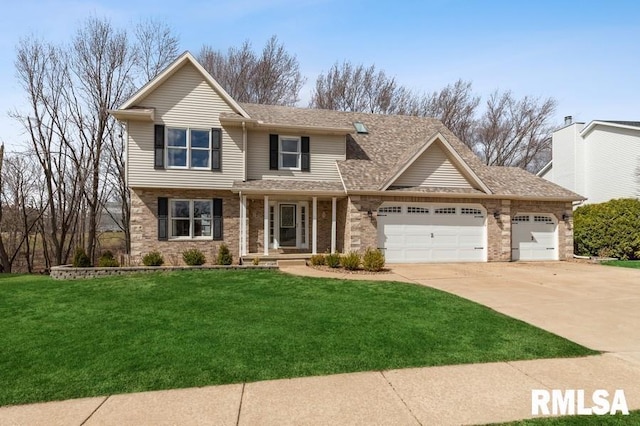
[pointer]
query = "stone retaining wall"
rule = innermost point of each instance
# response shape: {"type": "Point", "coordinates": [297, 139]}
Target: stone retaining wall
{"type": "Point", "coordinates": [68, 272]}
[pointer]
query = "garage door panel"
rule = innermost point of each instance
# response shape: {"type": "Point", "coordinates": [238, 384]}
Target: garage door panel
{"type": "Point", "coordinates": [534, 240]}
{"type": "Point", "coordinates": [409, 237]}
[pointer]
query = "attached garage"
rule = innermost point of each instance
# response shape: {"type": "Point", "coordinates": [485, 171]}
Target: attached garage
{"type": "Point", "coordinates": [425, 232]}
{"type": "Point", "coordinates": [534, 237]}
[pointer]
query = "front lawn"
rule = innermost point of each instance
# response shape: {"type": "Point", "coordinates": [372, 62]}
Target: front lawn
{"type": "Point", "coordinates": [69, 339]}
{"type": "Point", "coordinates": [623, 263]}
{"type": "Point", "coordinates": [607, 420]}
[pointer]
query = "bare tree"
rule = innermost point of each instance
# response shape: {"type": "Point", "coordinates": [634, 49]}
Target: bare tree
{"type": "Point", "coordinates": [272, 77]}
{"type": "Point", "coordinates": [515, 132]}
{"type": "Point", "coordinates": [455, 105]}
{"type": "Point", "coordinates": [346, 87]}
{"type": "Point", "coordinates": [157, 47]}
{"type": "Point", "coordinates": [44, 74]}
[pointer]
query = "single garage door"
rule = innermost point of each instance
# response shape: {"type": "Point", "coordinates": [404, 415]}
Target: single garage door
{"type": "Point", "coordinates": [534, 237]}
{"type": "Point", "coordinates": [419, 233]}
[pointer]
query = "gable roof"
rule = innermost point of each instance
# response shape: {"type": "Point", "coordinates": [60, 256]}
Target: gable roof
{"type": "Point", "coordinates": [393, 142]}
{"type": "Point", "coordinates": [413, 153]}
{"type": "Point", "coordinates": [185, 58]}
{"type": "Point", "coordinates": [633, 125]}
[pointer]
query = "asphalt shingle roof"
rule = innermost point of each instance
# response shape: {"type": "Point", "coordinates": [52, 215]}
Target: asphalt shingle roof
{"type": "Point", "coordinates": [391, 141]}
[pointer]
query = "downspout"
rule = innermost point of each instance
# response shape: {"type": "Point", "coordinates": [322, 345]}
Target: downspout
{"type": "Point", "coordinates": [244, 152]}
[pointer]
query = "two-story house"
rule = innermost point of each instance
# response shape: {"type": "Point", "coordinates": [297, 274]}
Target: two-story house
{"type": "Point", "coordinates": [600, 160]}
{"type": "Point", "coordinates": [204, 169]}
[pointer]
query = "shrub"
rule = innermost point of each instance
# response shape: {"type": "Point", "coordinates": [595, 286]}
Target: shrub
{"type": "Point", "coordinates": [255, 261]}
{"type": "Point", "coordinates": [332, 260]}
{"type": "Point", "coordinates": [153, 258]}
{"type": "Point", "coordinates": [611, 229]}
{"type": "Point", "coordinates": [317, 260]}
{"type": "Point", "coordinates": [107, 260]}
{"type": "Point", "coordinates": [80, 259]}
{"type": "Point", "coordinates": [373, 260]}
{"type": "Point", "coordinates": [224, 255]}
{"type": "Point", "coordinates": [351, 261]}
{"type": "Point", "coordinates": [193, 257]}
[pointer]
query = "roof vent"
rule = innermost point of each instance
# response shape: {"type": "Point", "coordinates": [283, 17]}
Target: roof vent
{"type": "Point", "coordinates": [360, 128]}
{"type": "Point", "coordinates": [568, 120]}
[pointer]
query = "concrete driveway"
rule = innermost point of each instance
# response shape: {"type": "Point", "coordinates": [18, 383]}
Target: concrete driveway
{"type": "Point", "coordinates": [596, 306]}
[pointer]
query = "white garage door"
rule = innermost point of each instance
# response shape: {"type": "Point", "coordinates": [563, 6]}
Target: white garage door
{"type": "Point", "coordinates": [418, 233]}
{"type": "Point", "coordinates": [534, 237]}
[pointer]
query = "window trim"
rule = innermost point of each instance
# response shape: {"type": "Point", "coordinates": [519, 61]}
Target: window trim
{"type": "Point", "coordinates": [298, 153]}
{"type": "Point", "coordinates": [191, 220]}
{"type": "Point", "coordinates": [189, 149]}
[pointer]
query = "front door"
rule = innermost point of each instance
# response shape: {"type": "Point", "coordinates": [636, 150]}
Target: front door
{"type": "Point", "coordinates": [288, 225]}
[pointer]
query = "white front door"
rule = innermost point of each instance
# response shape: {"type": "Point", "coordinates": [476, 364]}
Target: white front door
{"type": "Point", "coordinates": [534, 237]}
{"type": "Point", "coordinates": [421, 232]}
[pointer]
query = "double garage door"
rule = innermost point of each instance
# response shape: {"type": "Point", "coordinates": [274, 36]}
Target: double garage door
{"type": "Point", "coordinates": [422, 232]}
{"type": "Point", "coordinates": [418, 233]}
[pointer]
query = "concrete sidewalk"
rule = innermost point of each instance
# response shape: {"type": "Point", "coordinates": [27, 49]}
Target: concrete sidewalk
{"type": "Point", "coordinates": [463, 394]}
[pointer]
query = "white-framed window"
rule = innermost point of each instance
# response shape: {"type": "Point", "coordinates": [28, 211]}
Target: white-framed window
{"type": "Point", "coordinates": [470, 211]}
{"type": "Point", "coordinates": [445, 210]}
{"type": "Point", "coordinates": [521, 218]}
{"type": "Point", "coordinates": [289, 153]}
{"type": "Point", "coordinates": [390, 209]}
{"type": "Point", "coordinates": [417, 210]}
{"type": "Point", "coordinates": [190, 218]}
{"type": "Point", "coordinates": [545, 219]}
{"type": "Point", "coordinates": [188, 148]}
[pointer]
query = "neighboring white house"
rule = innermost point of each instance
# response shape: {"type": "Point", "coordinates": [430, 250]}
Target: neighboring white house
{"type": "Point", "coordinates": [599, 160]}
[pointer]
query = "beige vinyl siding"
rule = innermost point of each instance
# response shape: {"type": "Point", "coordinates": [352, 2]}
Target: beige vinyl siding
{"type": "Point", "coordinates": [184, 100]}
{"type": "Point", "coordinates": [432, 169]}
{"type": "Point", "coordinates": [323, 150]}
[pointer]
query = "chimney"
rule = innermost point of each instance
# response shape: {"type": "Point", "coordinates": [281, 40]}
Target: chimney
{"type": "Point", "coordinates": [568, 120]}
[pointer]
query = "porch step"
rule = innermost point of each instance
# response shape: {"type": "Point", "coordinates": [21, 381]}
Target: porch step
{"type": "Point", "coordinates": [292, 262]}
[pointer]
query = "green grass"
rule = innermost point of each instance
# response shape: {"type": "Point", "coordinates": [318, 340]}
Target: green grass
{"type": "Point", "coordinates": [607, 420]}
{"type": "Point", "coordinates": [623, 263]}
{"type": "Point", "coordinates": [69, 339]}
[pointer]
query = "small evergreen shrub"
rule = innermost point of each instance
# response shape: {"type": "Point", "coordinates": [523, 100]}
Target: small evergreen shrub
{"type": "Point", "coordinates": [373, 260]}
{"type": "Point", "coordinates": [107, 260]}
{"type": "Point", "coordinates": [351, 261]}
{"type": "Point", "coordinates": [80, 259]}
{"type": "Point", "coordinates": [224, 255]}
{"type": "Point", "coordinates": [193, 257]}
{"type": "Point", "coordinates": [332, 260]}
{"type": "Point", "coordinates": [610, 229]}
{"type": "Point", "coordinates": [255, 261]}
{"type": "Point", "coordinates": [153, 258]}
{"type": "Point", "coordinates": [317, 260]}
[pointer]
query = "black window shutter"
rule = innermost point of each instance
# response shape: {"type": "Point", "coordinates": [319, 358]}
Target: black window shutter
{"type": "Point", "coordinates": [217, 218]}
{"type": "Point", "coordinates": [273, 152]}
{"type": "Point", "coordinates": [216, 149]}
{"type": "Point", "coordinates": [158, 146]}
{"type": "Point", "coordinates": [305, 157]}
{"type": "Point", "coordinates": [163, 218]}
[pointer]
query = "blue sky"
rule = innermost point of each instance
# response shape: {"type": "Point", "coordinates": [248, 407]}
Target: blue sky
{"type": "Point", "coordinates": [585, 54]}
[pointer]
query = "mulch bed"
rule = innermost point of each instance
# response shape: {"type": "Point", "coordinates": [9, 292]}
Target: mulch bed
{"type": "Point", "coordinates": [346, 271]}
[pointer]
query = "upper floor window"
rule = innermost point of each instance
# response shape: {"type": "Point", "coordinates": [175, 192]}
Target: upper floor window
{"type": "Point", "coordinates": [193, 148]}
{"type": "Point", "coordinates": [289, 153]}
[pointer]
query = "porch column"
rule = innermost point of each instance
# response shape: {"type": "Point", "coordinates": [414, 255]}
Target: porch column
{"type": "Point", "coordinates": [314, 225]}
{"type": "Point", "coordinates": [266, 225]}
{"type": "Point", "coordinates": [333, 225]}
{"type": "Point", "coordinates": [243, 225]}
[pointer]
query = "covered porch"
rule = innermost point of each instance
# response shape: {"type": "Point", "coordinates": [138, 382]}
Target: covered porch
{"type": "Point", "coordinates": [294, 223]}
